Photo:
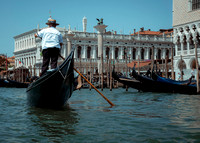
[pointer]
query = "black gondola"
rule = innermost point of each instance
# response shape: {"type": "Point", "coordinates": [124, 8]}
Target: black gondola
{"type": "Point", "coordinates": [54, 88]}
{"type": "Point", "coordinates": [147, 83]}
{"type": "Point", "coordinates": [183, 87]}
{"type": "Point", "coordinates": [4, 83]}
{"type": "Point", "coordinates": [12, 83]}
{"type": "Point", "coordinates": [161, 84]}
{"type": "Point", "coordinates": [130, 82]}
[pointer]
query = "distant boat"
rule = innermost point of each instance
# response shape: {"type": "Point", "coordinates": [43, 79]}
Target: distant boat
{"type": "Point", "coordinates": [54, 88]}
{"type": "Point", "coordinates": [12, 83]}
{"type": "Point", "coordinates": [147, 83]}
{"type": "Point", "coordinates": [130, 82]}
{"type": "Point", "coordinates": [165, 85]}
{"type": "Point", "coordinates": [3, 83]}
{"type": "Point", "coordinates": [183, 87]}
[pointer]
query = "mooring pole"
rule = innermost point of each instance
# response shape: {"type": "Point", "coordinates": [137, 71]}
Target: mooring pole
{"type": "Point", "coordinates": [197, 67]}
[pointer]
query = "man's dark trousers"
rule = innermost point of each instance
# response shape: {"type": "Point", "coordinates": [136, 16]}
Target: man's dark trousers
{"type": "Point", "coordinates": [49, 54]}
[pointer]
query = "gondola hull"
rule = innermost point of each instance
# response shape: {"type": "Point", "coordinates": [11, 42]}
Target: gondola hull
{"type": "Point", "coordinates": [183, 87]}
{"type": "Point", "coordinates": [148, 84]}
{"type": "Point", "coordinates": [12, 83]}
{"type": "Point", "coordinates": [54, 88]}
{"type": "Point", "coordinates": [130, 82]}
{"type": "Point", "coordinates": [164, 85]}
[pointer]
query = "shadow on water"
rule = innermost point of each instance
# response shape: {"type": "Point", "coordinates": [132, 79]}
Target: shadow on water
{"type": "Point", "coordinates": [54, 123]}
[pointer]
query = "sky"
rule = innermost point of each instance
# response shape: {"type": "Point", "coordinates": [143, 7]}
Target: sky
{"type": "Point", "coordinates": [123, 16]}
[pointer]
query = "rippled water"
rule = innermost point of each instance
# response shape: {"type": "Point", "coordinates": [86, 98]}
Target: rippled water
{"type": "Point", "coordinates": [137, 117]}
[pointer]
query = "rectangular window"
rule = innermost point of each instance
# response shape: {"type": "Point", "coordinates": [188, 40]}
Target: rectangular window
{"type": "Point", "coordinates": [195, 4]}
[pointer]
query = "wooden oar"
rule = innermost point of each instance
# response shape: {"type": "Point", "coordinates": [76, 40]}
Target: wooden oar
{"type": "Point", "coordinates": [92, 85]}
{"type": "Point", "coordinates": [95, 88]}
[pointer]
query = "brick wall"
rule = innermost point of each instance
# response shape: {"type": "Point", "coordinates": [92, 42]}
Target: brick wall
{"type": "Point", "coordinates": [182, 14]}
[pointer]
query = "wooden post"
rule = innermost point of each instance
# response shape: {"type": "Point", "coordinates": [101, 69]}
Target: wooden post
{"type": "Point", "coordinates": [31, 71]}
{"type": "Point", "coordinates": [138, 65]}
{"type": "Point", "coordinates": [118, 71]}
{"type": "Point", "coordinates": [99, 80]}
{"type": "Point", "coordinates": [197, 67]}
{"type": "Point", "coordinates": [87, 69]}
{"type": "Point", "coordinates": [107, 70]}
{"type": "Point", "coordinates": [181, 68]}
{"type": "Point", "coordinates": [172, 66]}
{"type": "Point", "coordinates": [90, 73]}
{"type": "Point", "coordinates": [14, 72]}
{"type": "Point", "coordinates": [102, 76]}
{"type": "Point", "coordinates": [152, 60]}
{"type": "Point", "coordinates": [110, 75]}
{"type": "Point", "coordinates": [126, 70]}
{"type": "Point", "coordinates": [166, 68]}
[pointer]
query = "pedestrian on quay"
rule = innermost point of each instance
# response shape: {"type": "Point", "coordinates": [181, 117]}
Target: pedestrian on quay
{"type": "Point", "coordinates": [52, 41]}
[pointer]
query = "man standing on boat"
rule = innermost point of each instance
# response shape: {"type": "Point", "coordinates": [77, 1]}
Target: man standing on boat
{"type": "Point", "coordinates": [52, 41]}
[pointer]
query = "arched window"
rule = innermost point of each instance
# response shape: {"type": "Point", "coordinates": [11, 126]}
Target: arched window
{"type": "Point", "coordinates": [184, 43]}
{"type": "Point", "coordinates": [107, 52]}
{"type": "Point", "coordinates": [150, 53]}
{"type": "Point", "coordinates": [159, 54]}
{"type": "Point", "coordinates": [124, 53]}
{"type": "Point", "coordinates": [79, 52]}
{"type": "Point", "coordinates": [167, 53]}
{"type": "Point", "coordinates": [133, 55]}
{"type": "Point", "coordinates": [88, 52]}
{"type": "Point", "coordinates": [116, 53]}
{"type": "Point", "coordinates": [142, 54]}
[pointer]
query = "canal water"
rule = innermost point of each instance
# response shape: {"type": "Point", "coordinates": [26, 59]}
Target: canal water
{"type": "Point", "coordinates": [88, 118]}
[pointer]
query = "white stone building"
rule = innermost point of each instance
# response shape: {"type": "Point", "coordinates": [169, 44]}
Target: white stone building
{"type": "Point", "coordinates": [115, 46]}
{"type": "Point", "coordinates": [186, 25]}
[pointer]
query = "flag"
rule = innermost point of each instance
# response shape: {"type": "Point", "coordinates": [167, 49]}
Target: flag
{"type": "Point", "coordinates": [21, 62]}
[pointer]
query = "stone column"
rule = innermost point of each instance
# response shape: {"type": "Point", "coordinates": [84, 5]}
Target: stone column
{"type": "Point", "coordinates": [86, 48]}
{"type": "Point", "coordinates": [163, 53]}
{"type": "Point", "coordinates": [182, 45]}
{"type": "Point", "coordinates": [95, 52]}
{"type": "Point", "coordinates": [138, 55]}
{"type": "Point", "coordinates": [155, 53]}
{"type": "Point", "coordinates": [120, 52]}
{"type": "Point", "coordinates": [129, 54]}
{"type": "Point", "coordinates": [100, 28]}
{"type": "Point", "coordinates": [148, 53]}
{"type": "Point", "coordinates": [75, 52]}
{"type": "Point", "coordinates": [69, 43]}
{"type": "Point", "coordinates": [113, 53]}
{"type": "Point", "coordinates": [82, 51]}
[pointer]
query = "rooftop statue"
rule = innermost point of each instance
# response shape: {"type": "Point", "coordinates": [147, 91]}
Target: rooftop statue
{"type": "Point", "coordinates": [100, 22]}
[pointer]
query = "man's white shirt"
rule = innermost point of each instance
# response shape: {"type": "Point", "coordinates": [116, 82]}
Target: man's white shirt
{"type": "Point", "coordinates": [51, 37]}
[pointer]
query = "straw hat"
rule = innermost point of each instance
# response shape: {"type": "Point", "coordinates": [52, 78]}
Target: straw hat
{"type": "Point", "coordinates": [51, 21]}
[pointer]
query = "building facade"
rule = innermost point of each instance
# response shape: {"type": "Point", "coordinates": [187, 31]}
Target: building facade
{"type": "Point", "coordinates": [117, 47]}
{"type": "Point", "coordinates": [186, 25]}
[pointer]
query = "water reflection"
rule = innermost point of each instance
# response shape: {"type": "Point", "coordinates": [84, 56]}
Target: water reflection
{"type": "Point", "coordinates": [54, 122]}
{"type": "Point", "coordinates": [186, 111]}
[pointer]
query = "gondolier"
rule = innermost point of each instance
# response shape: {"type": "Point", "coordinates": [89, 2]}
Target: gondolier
{"type": "Point", "coordinates": [52, 41]}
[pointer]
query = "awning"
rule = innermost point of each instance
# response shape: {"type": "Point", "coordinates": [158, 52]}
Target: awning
{"type": "Point", "coordinates": [142, 64]}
